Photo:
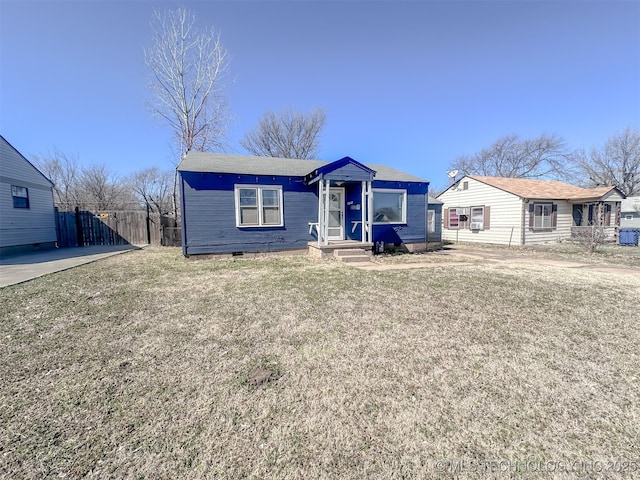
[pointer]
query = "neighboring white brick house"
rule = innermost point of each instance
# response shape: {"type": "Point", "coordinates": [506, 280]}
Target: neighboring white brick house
{"type": "Point", "coordinates": [27, 214]}
{"type": "Point", "coordinates": [513, 211]}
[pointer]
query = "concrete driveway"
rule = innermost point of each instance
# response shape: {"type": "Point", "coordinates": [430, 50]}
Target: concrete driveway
{"type": "Point", "coordinates": [20, 268]}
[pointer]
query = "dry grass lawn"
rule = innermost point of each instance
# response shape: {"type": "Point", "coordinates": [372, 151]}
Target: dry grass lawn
{"type": "Point", "coordinates": [146, 365]}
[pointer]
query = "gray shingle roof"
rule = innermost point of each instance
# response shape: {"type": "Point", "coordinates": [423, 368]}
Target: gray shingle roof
{"type": "Point", "coordinates": [287, 167]}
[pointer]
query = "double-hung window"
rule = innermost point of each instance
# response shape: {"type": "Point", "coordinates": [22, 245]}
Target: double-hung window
{"type": "Point", "coordinates": [20, 196]}
{"type": "Point", "coordinates": [389, 206]}
{"type": "Point", "coordinates": [477, 218]}
{"type": "Point", "coordinates": [542, 215]}
{"type": "Point", "coordinates": [258, 206]}
{"type": "Point", "coordinates": [458, 218]}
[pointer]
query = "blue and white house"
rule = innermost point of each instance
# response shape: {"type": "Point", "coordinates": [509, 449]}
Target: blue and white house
{"type": "Point", "coordinates": [236, 203]}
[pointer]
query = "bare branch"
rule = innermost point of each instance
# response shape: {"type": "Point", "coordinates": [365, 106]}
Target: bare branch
{"type": "Point", "coordinates": [288, 134]}
{"type": "Point", "coordinates": [188, 68]}
{"type": "Point", "coordinates": [617, 163]}
{"type": "Point", "coordinates": [64, 172]}
{"type": "Point", "coordinates": [541, 157]}
{"type": "Point", "coordinates": [153, 187]}
{"type": "Point", "coordinates": [101, 189]}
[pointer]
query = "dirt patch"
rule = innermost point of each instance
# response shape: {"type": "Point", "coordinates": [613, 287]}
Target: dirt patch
{"type": "Point", "coordinates": [465, 256]}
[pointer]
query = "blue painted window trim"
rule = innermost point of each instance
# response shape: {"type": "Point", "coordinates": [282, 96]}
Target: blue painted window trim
{"type": "Point", "coordinates": [20, 196]}
{"type": "Point", "coordinates": [260, 205]}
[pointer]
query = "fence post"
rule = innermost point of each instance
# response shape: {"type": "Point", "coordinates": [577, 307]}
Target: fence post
{"type": "Point", "coordinates": [58, 233]}
{"type": "Point", "coordinates": [148, 226]}
{"type": "Point", "coordinates": [79, 234]}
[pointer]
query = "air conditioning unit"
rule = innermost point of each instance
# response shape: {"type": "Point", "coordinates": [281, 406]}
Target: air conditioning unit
{"type": "Point", "coordinates": [476, 226]}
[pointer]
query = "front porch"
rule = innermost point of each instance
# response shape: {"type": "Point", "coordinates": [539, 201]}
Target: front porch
{"type": "Point", "coordinates": [345, 204]}
{"type": "Point", "coordinates": [595, 233]}
{"type": "Point", "coordinates": [597, 221]}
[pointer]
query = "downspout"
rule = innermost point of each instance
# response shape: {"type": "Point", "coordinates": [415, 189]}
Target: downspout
{"type": "Point", "coordinates": [363, 211]}
{"type": "Point", "coordinates": [426, 217]}
{"type": "Point", "coordinates": [327, 196]}
{"type": "Point", "coordinates": [370, 210]}
{"type": "Point", "coordinates": [525, 202]}
{"type": "Point", "coordinates": [320, 212]}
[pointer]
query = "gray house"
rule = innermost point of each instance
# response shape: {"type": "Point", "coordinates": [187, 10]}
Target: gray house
{"type": "Point", "coordinates": [27, 214]}
{"type": "Point", "coordinates": [630, 213]}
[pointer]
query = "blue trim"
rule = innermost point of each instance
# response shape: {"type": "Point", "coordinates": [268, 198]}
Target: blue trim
{"type": "Point", "coordinates": [183, 217]}
{"type": "Point", "coordinates": [322, 172]}
{"type": "Point", "coordinates": [207, 199]}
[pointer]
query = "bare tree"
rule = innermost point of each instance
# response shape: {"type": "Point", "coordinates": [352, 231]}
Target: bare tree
{"type": "Point", "coordinates": [100, 189]}
{"type": "Point", "coordinates": [617, 163]}
{"type": "Point", "coordinates": [64, 172]}
{"type": "Point", "coordinates": [591, 237]}
{"type": "Point", "coordinates": [287, 134]}
{"type": "Point", "coordinates": [153, 187]}
{"type": "Point", "coordinates": [188, 67]}
{"type": "Point", "coordinates": [543, 156]}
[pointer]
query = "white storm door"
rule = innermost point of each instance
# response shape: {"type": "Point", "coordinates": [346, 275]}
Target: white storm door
{"type": "Point", "coordinates": [336, 214]}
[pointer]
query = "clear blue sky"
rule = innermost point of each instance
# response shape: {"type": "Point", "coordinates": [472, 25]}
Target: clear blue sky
{"type": "Point", "coordinates": [409, 84]}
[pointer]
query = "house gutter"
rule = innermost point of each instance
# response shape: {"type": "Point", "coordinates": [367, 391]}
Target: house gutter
{"type": "Point", "coordinates": [426, 217]}
{"type": "Point", "coordinates": [183, 219]}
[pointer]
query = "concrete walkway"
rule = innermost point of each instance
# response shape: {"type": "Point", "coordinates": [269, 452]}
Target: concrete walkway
{"type": "Point", "coordinates": [20, 268]}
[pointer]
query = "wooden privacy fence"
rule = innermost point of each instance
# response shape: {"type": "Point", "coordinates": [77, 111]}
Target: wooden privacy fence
{"type": "Point", "coordinates": [82, 228]}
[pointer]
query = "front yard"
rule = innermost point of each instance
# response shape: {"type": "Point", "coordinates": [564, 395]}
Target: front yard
{"type": "Point", "coordinates": [146, 365]}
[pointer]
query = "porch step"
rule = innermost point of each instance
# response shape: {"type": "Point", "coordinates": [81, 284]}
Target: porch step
{"type": "Point", "coordinates": [351, 255]}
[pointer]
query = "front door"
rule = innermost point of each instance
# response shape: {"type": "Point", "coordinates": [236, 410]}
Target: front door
{"type": "Point", "coordinates": [577, 215]}
{"type": "Point", "coordinates": [336, 214]}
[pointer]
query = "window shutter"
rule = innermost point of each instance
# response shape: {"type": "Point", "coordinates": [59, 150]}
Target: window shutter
{"type": "Point", "coordinates": [485, 220]}
{"type": "Point", "coordinates": [554, 215]}
{"type": "Point", "coordinates": [446, 218]}
{"type": "Point", "coordinates": [531, 214]}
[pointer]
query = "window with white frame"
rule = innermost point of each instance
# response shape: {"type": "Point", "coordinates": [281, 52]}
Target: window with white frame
{"type": "Point", "coordinates": [258, 206]}
{"type": "Point", "coordinates": [431, 221]}
{"type": "Point", "coordinates": [542, 215]}
{"type": "Point", "coordinates": [477, 218]}
{"type": "Point", "coordinates": [20, 196]}
{"type": "Point", "coordinates": [389, 206]}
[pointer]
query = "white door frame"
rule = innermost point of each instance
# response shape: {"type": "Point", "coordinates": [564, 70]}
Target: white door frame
{"type": "Point", "coordinates": [342, 210]}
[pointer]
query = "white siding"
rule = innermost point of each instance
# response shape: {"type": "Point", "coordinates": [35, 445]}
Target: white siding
{"type": "Point", "coordinates": [632, 222]}
{"type": "Point", "coordinates": [505, 213]}
{"type": "Point", "coordinates": [24, 226]}
{"type": "Point", "coordinates": [564, 220]}
{"type": "Point", "coordinates": [630, 208]}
